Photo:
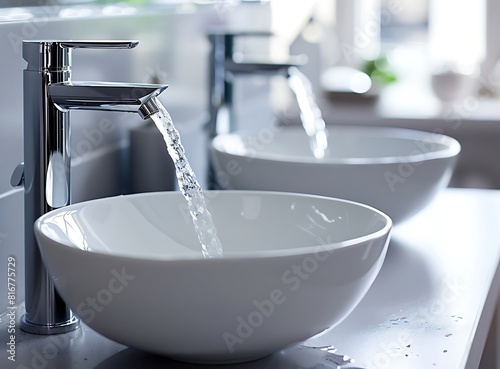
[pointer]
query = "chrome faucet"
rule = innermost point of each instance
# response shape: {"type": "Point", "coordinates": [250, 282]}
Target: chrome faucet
{"type": "Point", "coordinates": [49, 95]}
{"type": "Point", "coordinates": [223, 68]}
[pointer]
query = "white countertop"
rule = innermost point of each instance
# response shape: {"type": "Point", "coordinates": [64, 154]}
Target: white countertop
{"type": "Point", "coordinates": [433, 301]}
{"type": "Point", "coordinates": [430, 307]}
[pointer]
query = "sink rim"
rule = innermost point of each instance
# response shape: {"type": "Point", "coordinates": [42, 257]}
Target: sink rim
{"type": "Point", "coordinates": [228, 255]}
{"type": "Point", "coordinates": [450, 146]}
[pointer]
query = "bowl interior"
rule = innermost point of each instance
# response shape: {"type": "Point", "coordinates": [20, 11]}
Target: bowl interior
{"type": "Point", "coordinates": [355, 144]}
{"type": "Point", "coordinates": [249, 223]}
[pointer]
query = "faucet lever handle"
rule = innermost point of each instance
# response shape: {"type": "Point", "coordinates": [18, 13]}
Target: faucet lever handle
{"type": "Point", "coordinates": [229, 33]}
{"type": "Point", "coordinates": [225, 38]}
{"type": "Point", "coordinates": [55, 54]}
{"type": "Point", "coordinates": [99, 44]}
{"type": "Point", "coordinates": [229, 36]}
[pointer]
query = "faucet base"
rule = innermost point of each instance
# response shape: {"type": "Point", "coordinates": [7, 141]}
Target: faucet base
{"type": "Point", "coordinates": [64, 327]}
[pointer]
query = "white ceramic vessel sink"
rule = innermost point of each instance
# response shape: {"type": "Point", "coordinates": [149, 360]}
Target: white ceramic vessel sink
{"type": "Point", "coordinates": [294, 265]}
{"type": "Point", "coordinates": [397, 171]}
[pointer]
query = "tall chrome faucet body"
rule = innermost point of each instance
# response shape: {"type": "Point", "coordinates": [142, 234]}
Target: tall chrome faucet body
{"type": "Point", "coordinates": [49, 95]}
{"type": "Point", "coordinates": [223, 68]}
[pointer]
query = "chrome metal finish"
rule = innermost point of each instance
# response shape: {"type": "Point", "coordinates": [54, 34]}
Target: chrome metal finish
{"type": "Point", "coordinates": [54, 328]}
{"type": "Point", "coordinates": [49, 95]}
{"type": "Point", "coordinates": [148, 108]}
{"type": "Point", "coordinates": [99, 44]}
{"type": "Point", "coordinates": [223, 68]}
{"type": "Point", "coordinates": [102, 95]}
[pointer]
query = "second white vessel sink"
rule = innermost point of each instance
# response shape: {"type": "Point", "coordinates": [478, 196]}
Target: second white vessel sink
{"type": "Point", "coordinates": [395, 170]}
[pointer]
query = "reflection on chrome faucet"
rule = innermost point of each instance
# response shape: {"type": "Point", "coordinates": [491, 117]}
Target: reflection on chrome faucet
{"type": "Point", "coordinates": [49, 95]}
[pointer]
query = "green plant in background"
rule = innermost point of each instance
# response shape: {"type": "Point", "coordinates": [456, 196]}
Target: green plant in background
{"type": "Point", "coordinates": [379, 71]}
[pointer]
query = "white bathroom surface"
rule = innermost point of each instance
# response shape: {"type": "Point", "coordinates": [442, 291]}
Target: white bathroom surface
{"type": "Point", "coordinates": [433, 301]}
{"type": "Point", "coordinates": [430, 307]}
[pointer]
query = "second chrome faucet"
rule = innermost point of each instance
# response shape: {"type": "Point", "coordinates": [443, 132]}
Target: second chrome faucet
{"type": "Point", "coordinates": [223, 67]}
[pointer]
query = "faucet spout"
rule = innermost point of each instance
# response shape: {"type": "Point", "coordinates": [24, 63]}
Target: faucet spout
{"type": "Point", "coordinates": [122, 97]}
{"type": "Point", "coordinates": [263, 66]}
